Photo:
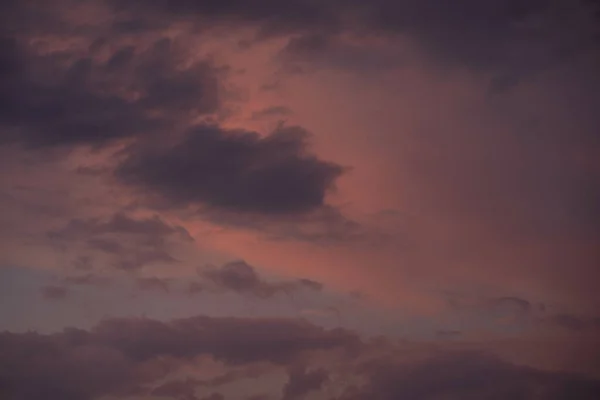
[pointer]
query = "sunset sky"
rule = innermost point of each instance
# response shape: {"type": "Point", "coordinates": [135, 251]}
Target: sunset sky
{"type": "Point", "coordinates": [300, 200]}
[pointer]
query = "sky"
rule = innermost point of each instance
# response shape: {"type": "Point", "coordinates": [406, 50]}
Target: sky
{"type": "Point", "coordinates": [299, 200]}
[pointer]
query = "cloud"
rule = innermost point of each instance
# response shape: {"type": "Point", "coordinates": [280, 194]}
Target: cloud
{"type": "Point", "coordinates": [125, 356]}
{"type": "Point", "coordinates": [492, 304]}
{"type": "Point", "coordinates": [77, 98]}
{"type": "Point", "coordinates": [495, 35]}
{"type": "Point", "coordinates": [153, 283]}
{"type": "Point", "coordinates": [241, 277]}
{"type": "Point", "coordinates": [116, 356]}
{"type": "Point", "coordinates": [88, 279]}
{"type": "Point", "coordinates": [121, 223]}
{"type": "Point", "coordinates": [214, 396]}
{"type": "Point", "coordinates": [325, 226]}
{"type": "Point", "coordinates": [182, 389]}
{"type": "Point", "coordinates": [484, 194]}
{"type": "Point", "coordinates": [573, 323]}
{"type": "Point", "coordinates": [279, 341]}
{"type": "Point", "coordinates": [53, 292]}
{"type": "Point", "coordinates": [513, 306]}
{"type": "Point", "coordinates": [39, 367]}
{"type": "Point", "coordinates": [270, 112]}
{"type": "Point", "coordinates": [301, 382]}
{"type": "Point", "coordinates": [129, 243]}
{"type": "Point", "coordinates": [345, 53]}
{"type": "Point", "coordinates": [234, 170]}
{"type": "Point", "coordinates": [272, 17]}
{"type": "Point", "coordinates": [462, 376]}
{"type": "Point", "coordinates": [447, 334]}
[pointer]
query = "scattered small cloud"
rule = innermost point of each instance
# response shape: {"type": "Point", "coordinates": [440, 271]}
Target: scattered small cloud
{"type": "Point", "coordinates": [53, 292]}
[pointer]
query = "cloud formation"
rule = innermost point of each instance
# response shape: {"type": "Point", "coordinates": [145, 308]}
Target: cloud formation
{"type": "Point", "coordinates": [110, 359]}
{"type": "Point", "coordinates": [54, 292]}
{"type": "Point", "coordinates": [492, 36]}
{"type": "Point", "coordinates": [242, 278]}
{"type": "Point", "coordinates": [301, 382]}
{"type": "Point", "coordinates": [122, 356]}
{"type": "Point", "coordinates": [55, 99]}
{"type": "Point", "coordinates": [235, 170]}
{"type": "Point", "coordinates": [129, 243]}
{"type": "Point", "coordinates": [469, 376]}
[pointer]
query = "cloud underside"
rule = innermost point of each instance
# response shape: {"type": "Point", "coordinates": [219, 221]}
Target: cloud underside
{"type": "Point", "coordinates": [235, 170]}
{"type": "Point", "coordinates": [492, 35]}
{"type": "Point", "coordinates": [242, 278]}
{"type": "Point", "coordinates": [122, 357]}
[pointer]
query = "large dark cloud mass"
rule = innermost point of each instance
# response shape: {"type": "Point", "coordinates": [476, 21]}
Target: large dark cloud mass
{"type": "Point", "coordinates": [76, 97]}
{"type": "Point", "coordinates": [79, 365]}
{"type": "Point", "coordinates": [466, 376]}
{"type": "Point", "coordinates": [109, 90]}
{"type": "Point", "coordinates": [490, 35]}
{"type": "Point", "coordinates": [235, 170]}
{"type": "Point", "coordinates": [123, 356]}
{"type": "Point", "coordinates": [272, 16]}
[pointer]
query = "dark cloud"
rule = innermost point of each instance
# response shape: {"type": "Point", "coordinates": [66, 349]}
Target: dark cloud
{"type": "Point", "coordinates": [116, 356]}
{"type": "Point", "coordinates": [87, 280]}
{"type": "Point", "coordinates": [214, 396]}
{"type": "Point", "coordinates": [272, 17]}
{"type": "Point", "coordinates": [235, 170]}
{"type": "Point", "coordinates": [74, 98]}
{"type": "Point", "coordinates": [62, 366]}
{"type": "Point", "coordinates": [153, 283]}
{"type": "Point", "coordinates": [259, 397]}
{"type": "Point", "coordinates": [53, 292]}
{"type": "Point", "coordinates": [496, 35]}
{"type": "Point", "coordinates": [105, 245]}
{"type": "Point", "coordinates": [121, 224]}
{"type": "Point", "coordinates": [195, 287]}
{"type": "Point", "coordinates": [129, 243]}
{"type": "Point", "coordinates": [70, 98]}
{"type": "Point", "coordinates": [302, 381]}
{"type": "Point", "coordinates": [121, 356]}
{"type": "Point", "coordinates": [448, 334]}
{"type": "Point", "coordinates": [232, 340]}
{"type": "Point", "coordinates": [310, 284]}
{"type": "Point", "coordinates": [186, 388]}
{"type": "Point", "coordinates": [467, 376]}
{"type": "Point", "coordinates": [183, 389]}
{"type": "Point", "coordinates": [492, 304]}
{"type": "Point", "coordinates": [492, 310]}
{"type": "Point", "coordinates": [39, 113]}
{"type": "Point", "coordinates": [574, 322]}
{"type": "Point", "coordinates": [511, 39]}
{"type": "Point", "coordinates": [467, 31]}
{"type": "Point", "coordinates": [270, 112]}
{"type": "Point", "coordinates": [514, 305]}
{"type": "Point", "coordinates": [83, 263]}
{"type": "Point", "coordinates": [311, 51]}
{"type": "Point", "coordinates": [325, 226]}
{"type": "Point", "coordinates": [137, 259]}
{"type": "Point", "coordinates": [241, 277]}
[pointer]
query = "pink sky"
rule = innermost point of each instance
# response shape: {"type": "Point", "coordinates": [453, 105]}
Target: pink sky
{"type": "Point", "coordinates": [416, 172]}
